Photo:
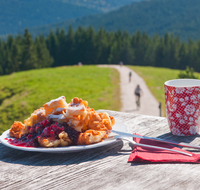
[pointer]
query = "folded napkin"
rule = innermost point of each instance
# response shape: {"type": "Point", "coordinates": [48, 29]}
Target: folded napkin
{"type": "Point", "coordinates": [144, 154]}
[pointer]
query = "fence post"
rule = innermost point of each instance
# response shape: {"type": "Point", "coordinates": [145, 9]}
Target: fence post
{"type": "Point", "coordinates": [160, 107]}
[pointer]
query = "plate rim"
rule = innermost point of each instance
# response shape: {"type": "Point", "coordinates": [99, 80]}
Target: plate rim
{"type": "Point", "coordinates": [66, 149]}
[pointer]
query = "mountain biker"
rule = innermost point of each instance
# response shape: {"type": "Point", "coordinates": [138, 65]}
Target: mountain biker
{"type": "Point", "coordinates": [130, 74]}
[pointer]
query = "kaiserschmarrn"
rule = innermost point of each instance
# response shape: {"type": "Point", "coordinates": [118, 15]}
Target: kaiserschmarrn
{"type": "Point", "coordinates": [58, 123]}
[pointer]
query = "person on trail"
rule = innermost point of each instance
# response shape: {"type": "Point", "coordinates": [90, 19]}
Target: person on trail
{"type": "Point", "coordinates": [130, 74]}
{"type": "Point", "coordinates": [80, 64]}
{"type": "Point", "coordinates": [137, 92]}
{"type": "Point", "coordinates": [121, 63]}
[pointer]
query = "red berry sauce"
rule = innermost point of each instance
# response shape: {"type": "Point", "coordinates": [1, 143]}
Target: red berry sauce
{"type": "Point", "coordinates": [47, 129]}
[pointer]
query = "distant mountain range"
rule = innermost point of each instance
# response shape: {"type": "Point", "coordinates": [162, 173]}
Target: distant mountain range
{"type": "Point", "coordinates": [102, 5]}
{"type": "Point", "coordinates": [180, 17]}
{"type": "Point", "coordinates": [15, 15]}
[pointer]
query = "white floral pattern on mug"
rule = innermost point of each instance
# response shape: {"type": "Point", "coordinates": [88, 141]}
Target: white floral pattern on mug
{"type": "Point", "coordinates": [189, 109]}
{"type": "Point", "coordinates": [193, 130]}
{"type": "Point", "coordinates": [180, 90]}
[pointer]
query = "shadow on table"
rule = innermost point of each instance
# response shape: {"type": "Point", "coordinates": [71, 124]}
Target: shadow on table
{"type": "Point", "coordinates": [10, 155]}
{"type": "Point", "coordinates": [184, 139]}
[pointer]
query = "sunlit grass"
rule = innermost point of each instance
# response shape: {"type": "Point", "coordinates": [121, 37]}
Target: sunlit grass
{"type": "Point", "coordinates": [21, 93]}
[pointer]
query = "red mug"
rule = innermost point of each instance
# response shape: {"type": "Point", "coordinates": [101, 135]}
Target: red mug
{"type": "Point", "coordinates": [182, 102]}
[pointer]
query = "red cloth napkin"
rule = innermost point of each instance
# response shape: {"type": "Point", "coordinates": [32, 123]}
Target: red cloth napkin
{"type": "Point", "coordinates": [143, 154]}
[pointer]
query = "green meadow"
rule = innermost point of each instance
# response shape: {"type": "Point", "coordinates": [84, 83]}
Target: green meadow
{"type": "Point", "coordinates": [155, 78]}
{"type": "Point", "coordinates": [23, 92]}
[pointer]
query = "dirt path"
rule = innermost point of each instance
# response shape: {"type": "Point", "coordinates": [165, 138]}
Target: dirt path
{"type": "Point", "coordinates": [149, 105]}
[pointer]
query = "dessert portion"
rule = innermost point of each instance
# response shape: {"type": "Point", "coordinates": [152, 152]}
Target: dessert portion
{"type": "Point", "coordinates": [60, 124]}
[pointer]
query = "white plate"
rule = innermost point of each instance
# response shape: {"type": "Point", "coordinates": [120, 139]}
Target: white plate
{"type": "Point", "coordinates": [118, 126]}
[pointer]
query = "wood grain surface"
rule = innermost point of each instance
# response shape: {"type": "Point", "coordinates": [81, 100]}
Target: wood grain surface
{"type": "Point", "coordinates": [100, 168]}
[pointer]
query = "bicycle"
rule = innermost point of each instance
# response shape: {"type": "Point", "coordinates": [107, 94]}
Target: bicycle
{"type": "Point", "coordinates": [138, 102]}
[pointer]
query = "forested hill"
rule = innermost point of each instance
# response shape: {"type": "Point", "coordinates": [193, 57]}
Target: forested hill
{"type": "Point", "coordinates": [180, 17]}
{"type": "Point", "coordinates": [18, 14]}
{"type": "Point", "coordinates": [15, 15]}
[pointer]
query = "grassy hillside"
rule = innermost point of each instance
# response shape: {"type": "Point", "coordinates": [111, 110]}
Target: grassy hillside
{"type": "Point", "coordinates": [180, 17]}
{"type": "Point", "coordinates": [21, 93]}
{"type": "Point", "coordinates": [155, 79]}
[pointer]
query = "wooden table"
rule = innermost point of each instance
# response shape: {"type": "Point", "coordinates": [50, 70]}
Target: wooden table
{"type": "Point", "coordinates": [100, 168]}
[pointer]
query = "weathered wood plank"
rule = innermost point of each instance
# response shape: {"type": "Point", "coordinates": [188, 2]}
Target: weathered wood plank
{"type": "Point", "coordinates": [100, 168]}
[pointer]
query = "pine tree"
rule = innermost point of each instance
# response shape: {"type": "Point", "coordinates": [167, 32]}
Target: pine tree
{"type": "Point", "coordinates": [149, 55]}
{"type": "Point", "coordinates": [52, 46]}
{"type": "Point", "coordinates": [183, 62]}
{"type": "Point", "coordinates": [140, 43]}
{"type": "Point", "coordinates": [28, 57]}
{"type": "Point", "coordinates": [10, 41]}
{"type": "Point", "coordinates": [191, 55]}
{"type": "Point", "coordinates": [114, 56]}
{"type": "Point", "coordinates": [101, 47]}
{"type": "Point", "coordinates": [43, 57]}
{"type": "Point", "coordinates": [79, 45]}
{"type": "Point", "coordinates": [69, 51]}
{"type": "Point", "coordinates": [174, 52]}
{"type": "Point", "coordinates": [160, 54]}
{"type": "Point", "coordinates": [126, 51]}
{"type": "Point", "coordinates": [1, 70]}
{"type": "Point", "coordinates": [90, 46]}
{"type": "Point", "coordinates": [115, 49]}
{"type": "Point", "coordinates": [197, 57]}
{"type": "Point", "coordinates": [166, 61]}
{"type": "Point", "coordinates": [1, 58]}
{"type": "Point", "coordinates": [15, 57]}
{"type": "Point", "coordinates": [9, 67]}
{"type": "Point", "coordinates": [61, 47]}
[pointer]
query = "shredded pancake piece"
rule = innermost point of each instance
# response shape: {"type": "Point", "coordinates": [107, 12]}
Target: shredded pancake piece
{"type": "Point", "coordinates": [91, 137]}
{"type": "Point", "coordinates": [17, 129]}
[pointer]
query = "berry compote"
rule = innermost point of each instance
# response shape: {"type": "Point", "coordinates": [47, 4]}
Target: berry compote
{"type": "Point", "coordinates": [46, 129]}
